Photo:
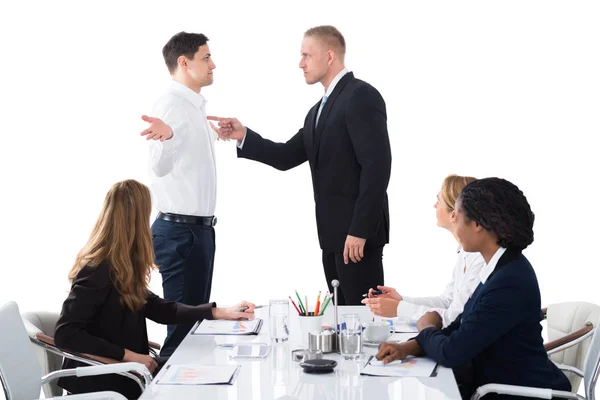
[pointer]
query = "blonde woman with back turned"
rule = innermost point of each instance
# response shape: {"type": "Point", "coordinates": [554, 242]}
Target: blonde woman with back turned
{"type": "Point", "coordinates": [105, 312]}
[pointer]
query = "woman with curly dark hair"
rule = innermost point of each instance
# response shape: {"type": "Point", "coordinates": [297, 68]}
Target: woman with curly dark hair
{"type": "Point", "coordinates": [497, 338]}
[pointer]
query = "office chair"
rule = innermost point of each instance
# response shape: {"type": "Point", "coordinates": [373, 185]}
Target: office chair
{"type": "Point", "coordinates": [20, 370]}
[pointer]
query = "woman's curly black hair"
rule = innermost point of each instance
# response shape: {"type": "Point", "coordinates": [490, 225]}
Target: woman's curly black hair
{"type": "Point", "coordinates": [500, 207]}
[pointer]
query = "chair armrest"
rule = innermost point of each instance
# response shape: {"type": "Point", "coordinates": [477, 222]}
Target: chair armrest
{"type": "Point", "coordinates": [154, 345]}
{"type": "Point", "coordinates": [47, 343]}
{"type": "Point", "coordinates": [521, 391]}
{"type": "Point", "coordinates": [565, 367]}
{"type": "Point", "coordinates": [81, 357]}
{"type": "Point", "coordinates": [94, 396]}
{"type": "Point", "coordinates": [101, 370]}
{"type": "Point", "coordinates": [570, 340]}
{"type": "Point", "coordinates": [153, 348]}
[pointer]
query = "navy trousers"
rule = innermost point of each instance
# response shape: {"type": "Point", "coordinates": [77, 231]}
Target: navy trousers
{"type": "Point", "coordinates": [185, 255]}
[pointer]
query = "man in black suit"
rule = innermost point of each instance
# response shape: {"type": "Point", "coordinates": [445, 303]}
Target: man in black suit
{"type": "Point", "coordinates": [346, 143]}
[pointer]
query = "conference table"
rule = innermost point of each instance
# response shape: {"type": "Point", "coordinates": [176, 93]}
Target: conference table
{"type": "Point", "coordinates": [278, 377]}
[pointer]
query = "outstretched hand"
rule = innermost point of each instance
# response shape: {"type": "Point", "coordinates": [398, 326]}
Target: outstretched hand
{"type": "Point", "coordinates": [157, 130]}
{"type": "Point", "coordinates": [228, 128]}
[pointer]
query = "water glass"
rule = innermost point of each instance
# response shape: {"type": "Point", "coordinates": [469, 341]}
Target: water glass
{"type": "Point", "coordinates": [351, 332]}
{"type": "Point", "coordinates": [278, 320]}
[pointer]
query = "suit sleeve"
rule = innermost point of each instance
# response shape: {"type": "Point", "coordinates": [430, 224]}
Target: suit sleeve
{"type": "Point", "coordinates": [497, 312]}
{"type": "Point", "coordinates": [367, 126]}
{"type": "Point", "coordinates": [89, 292]}
{"type": "Point", "coordinates": [170, 312]}
{"type": "Point", "coordinates": [282, 156]}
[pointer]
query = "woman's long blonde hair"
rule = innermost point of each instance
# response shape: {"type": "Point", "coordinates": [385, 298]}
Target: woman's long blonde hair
{"type": "Point", "coordinates": [451, 188]}
{"type": "Point", "coordinates": [123, 239]}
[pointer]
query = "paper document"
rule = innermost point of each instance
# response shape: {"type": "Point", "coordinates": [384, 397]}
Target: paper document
{"type": "Point", "coordinates": [219, 327]}
{"type": "Point", "coordinates": [412, 366]}
{"type": "Point", "coordinates": [199, 375]}
{"type": "Point", "coordinates": [251, 351]}
{"type": "Point", "coordinates": [405, 327]}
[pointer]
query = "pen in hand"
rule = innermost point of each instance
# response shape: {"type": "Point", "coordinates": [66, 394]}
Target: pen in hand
{"type": "Point", "coordinates": [242, 309]}
{"type": "Point", "coordinates": [374, 293]}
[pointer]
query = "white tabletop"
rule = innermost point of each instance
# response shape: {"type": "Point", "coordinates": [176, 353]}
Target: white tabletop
{"type": "Point", "coordinates": [278, 377]}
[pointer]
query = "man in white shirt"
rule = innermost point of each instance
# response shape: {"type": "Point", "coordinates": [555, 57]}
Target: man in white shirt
{"type": "Point", "coordinates": [183, 172]}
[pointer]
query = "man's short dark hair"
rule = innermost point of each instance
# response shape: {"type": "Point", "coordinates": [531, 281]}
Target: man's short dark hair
{"type": "Point", "coordinates": [182, 44]}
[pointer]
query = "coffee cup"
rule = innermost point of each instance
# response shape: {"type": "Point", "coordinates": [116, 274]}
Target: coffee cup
{"type": "Point", "coordinates": [377, 331]}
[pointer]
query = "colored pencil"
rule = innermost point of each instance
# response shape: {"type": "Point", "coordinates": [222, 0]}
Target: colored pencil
{"type": "Point", "coordinates": [300, 303]}
{"type": "Point", "coordinates": [318, 303]}
{"type": "Point", "coordinates": [294, 304]}
{"type": "Point", "coordinates": [326, 304]}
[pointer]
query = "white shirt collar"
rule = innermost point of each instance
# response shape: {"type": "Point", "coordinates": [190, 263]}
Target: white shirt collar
{"type": "Point", "coordinates": [195, 98]}
{"type": "Point", "coordinates": [335, 81]}
{"type": "Point", "coordinates": [487, 269]}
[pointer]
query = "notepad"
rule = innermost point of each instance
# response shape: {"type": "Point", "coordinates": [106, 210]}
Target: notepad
{"type": "Point", "coordinates": [409, 367]}
{"type": "Point", "coordinates": [219, 327]}
{"type": "Point", "coordinates": [199, 375]}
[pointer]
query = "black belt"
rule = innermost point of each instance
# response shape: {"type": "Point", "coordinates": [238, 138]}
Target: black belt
{"type": "Point", "coordinates": [188, 219]}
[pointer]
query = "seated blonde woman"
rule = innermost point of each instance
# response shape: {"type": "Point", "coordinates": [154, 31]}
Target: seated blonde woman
{"type": "Point", "coordinates": [105, 312]}
{"type": "Point", "coordinates": [465, 276]}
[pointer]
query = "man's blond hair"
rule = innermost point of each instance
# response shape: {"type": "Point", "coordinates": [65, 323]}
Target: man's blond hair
{"type": "Point", "coordinates": [331, 36]}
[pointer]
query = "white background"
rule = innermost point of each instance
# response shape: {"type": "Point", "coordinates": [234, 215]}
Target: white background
{"type": "Point", "coordinates": [508, 89]}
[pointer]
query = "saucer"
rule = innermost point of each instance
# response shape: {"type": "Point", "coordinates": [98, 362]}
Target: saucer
{"type": "Point", "coordinates": [369, 343]}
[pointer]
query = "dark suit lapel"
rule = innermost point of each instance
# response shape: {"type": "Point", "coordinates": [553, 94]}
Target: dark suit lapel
{"type": "Point", "coordinates": [328, 107]}
{"type": "Point", "coordinates": [310, 129]}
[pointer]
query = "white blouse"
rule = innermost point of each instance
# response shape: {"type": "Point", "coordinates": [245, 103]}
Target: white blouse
{"type": "Point", "coordinates": [451, 302]}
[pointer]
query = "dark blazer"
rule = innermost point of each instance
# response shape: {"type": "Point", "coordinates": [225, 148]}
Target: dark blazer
{"type": "Point", "coordinates": [93, 321]}
{"type": "Point", "coordinates": [498, 336]}
{"type": "Point", "coordinates": [350, 161]}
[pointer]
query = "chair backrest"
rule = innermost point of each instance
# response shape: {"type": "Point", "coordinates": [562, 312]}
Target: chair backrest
{"type": "Point", "coordinates": [591, 365]}
{"type": "Point", "coordinates": [44, 322]}
{"type": "Point", "coordinates": [563, 319]}
{"type": "Point", "coordinates": [19, 368]}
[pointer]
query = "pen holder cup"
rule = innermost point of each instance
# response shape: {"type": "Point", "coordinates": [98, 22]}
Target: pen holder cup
{"type": "Point", "coordinates": [326, 341]}
{"type": "Point", "coordinates": [309, 324]}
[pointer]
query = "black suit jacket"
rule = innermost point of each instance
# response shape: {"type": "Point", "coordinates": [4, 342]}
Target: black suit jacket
{"type": "Point", "coordinates": [93, 321]}
{"type": "Point", "coordinates": [350, 161]}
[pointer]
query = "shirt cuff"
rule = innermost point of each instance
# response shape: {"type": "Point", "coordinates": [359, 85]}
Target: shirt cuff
{"type": "Point", "coordinates": [240, 144]}
{"type": "Point", "coordinates": [405, 310]}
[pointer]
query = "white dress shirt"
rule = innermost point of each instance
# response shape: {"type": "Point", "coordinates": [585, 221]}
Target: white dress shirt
{"type": "Point", "coordinates": [183, 168]}
{"type": "Point", "coordinates": [330, 89]}
{"type": "Point", "coordinates": [465, 279]}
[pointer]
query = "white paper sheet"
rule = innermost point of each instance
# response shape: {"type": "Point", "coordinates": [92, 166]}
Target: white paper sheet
{"type": "Point", "coordinates": [220, 327]}
{"type": "Point", "coordinates": [199, 375]}
{"type": "Point", "coordinates": [412, 366]}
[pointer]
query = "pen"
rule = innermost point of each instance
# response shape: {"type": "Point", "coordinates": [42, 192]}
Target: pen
{"type": "Point", "coordinates": [374, 293]}
{"type": "Point", "coordinates": [242, 309]}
